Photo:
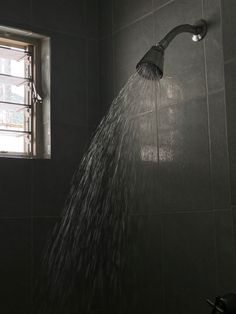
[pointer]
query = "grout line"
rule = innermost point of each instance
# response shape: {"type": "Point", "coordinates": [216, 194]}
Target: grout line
{"type": "Point", "coordinates": [231, 60]}
{"type": "Point", "coordinates": [170, 212]}
{"type": "Point", "coordinates": [87, 88]}
{"type": "Point", "coordinates": [31, 237]}
{"type": "Point", "coordinates": [225, 108]}
{"type": "Point", "coordinates": [132, 23]}
{"type": "Point", "coordinates": [27, 217]}
{"type": "Point", "coordinates": [113, 51]}
{"type": "Point", "coordinates": [142, 17]}
{"type": "Point", "coordinates": [216, 91]}
{"type": "Point", "coordinates": [226, 128]}
{"type": "Point", "coordinates": [208, 118]}
{"type": "Point", "coordinates": [163, 289]}
{"type": "Point", "coordinates": [233, 234]}
{"type": "Point", "coordinates": [47, 31]}
{"type": "Point", "coordinates": [81, 125]}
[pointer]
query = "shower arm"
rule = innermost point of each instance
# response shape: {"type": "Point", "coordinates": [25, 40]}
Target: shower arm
{"type": "Point", "coordinates": [198, 30]}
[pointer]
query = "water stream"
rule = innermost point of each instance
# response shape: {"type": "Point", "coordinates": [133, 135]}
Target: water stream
{"type": "Point", "coordinates": [86, 258]}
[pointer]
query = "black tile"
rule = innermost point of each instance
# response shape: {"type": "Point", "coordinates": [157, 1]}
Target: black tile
{"type": "Point", "coordinates": [146, 197]}
{"type": "Point", "coordinates": [92, 7]}
{"type": "Point", "coordinates": [214, 45]}
{"type": "Point", "coordinates": [177, 12]}
{"type": "Point", "coordinates": [42, 234]}
{"type": "Point", "coordinates": [130, 45]}
{"type": "Point", "coordinates": [15, 268]}
{"type": "Point", "coordinates": [184, 59]}
{"type": "Point", "coordinates": [143, 290]}
{"type": "Point", "coordinates": [52, 177]}
{"type": "Point", "coordinates": [230, 81]}
{"type": "Point", "coordinates": [189, 262]}
{"type": "Point", "coordinates": [126, 11]}
{"type": "Point", "coordinates": [184, 169]}
{"type": "Point", "coordinates": [69, 79]}
{"type": "Point", "coordinates": [228, 27]}
{"type": "Point", "coordinates": [15, 187]}
{"type": "Point", "coordinates": [15, 11]}
{"type": "Point", "coordinates": [95, 108]}
{"type": "Point", "coordinates": [225, 243]}
{"type": "Point", "coordinates": [50, 189]}
{"type": "Point", "coordinates": [219, 151]}
{"type": "Point", "coordinates": [106, 73]}
{"type": "Point", "coordinates": [60, 15]}
{"type": "Point", "coordinates": [105, 18]}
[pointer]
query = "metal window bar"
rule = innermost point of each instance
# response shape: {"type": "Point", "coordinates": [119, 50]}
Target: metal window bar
{"type": "Point", "coordinates": [24, 50]}
{"type": "Point", "coordinates": [29, 94]}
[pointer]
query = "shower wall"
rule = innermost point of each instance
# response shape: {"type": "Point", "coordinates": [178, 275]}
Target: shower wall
{"type": "Point", "coordinates": [229, 40]}
{"type": "Point", "coordinates": [33, 192]}
{"type": "Point", "coordinates": [183, 243]}
{"type": "Point", "coordinates": [182, 246]}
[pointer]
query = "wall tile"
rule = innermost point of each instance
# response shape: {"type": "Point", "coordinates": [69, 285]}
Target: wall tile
{"type": "Point", "coordinates": [15, 11]}
{"type": "Point", "coordinates": [95, 110]}
{"type": "Point", "coordinates": [69, 79]}
{"type": "Point", "coordinates": [130, 46]}
{"type": "Point", "coordinates": [225, 252]}
{"type": "Point", "coordinates": [184, 59]}
{"type": "Point", "coordinates": [15, 266]}
{"type": "Point", "coordinates": [228, 27]}
{"type": "Point", "coordinates": [184, 156]}
{"type": "Point", "coordinates": [230, 83]}
{"type": "Point", "coordinates": [219, 151]}
{"type": "Point", "coordinates": [126, 11]}
{"type": "Point", "coordinates": [15, 187]}
{"type": "Point", "coordinates": [146, 191]}
{"type": "Point", "coordinates": [42, 233]}
{"type": "Point", "coordinates": [213, 45]}
{"type": "Point", "coordinates": [52, 177]}
{"type": "Point", "coordinates": [105, 18]}
{"type": "Point", "coordinates": [106, 73]}
{"type": "Point", "coordinates": [60, 15]}
{"type": "Point", "coordinates": [234, 225]}
{"type": "Point", "coordinates": [143, 291]}
{"type": "Point", "coordinates": [92, 7]}
{"type": "Point", "coordinates": [189, 262]}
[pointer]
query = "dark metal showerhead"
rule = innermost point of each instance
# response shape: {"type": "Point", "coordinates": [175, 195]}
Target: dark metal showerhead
{"type": "Point", "coordinates": [151, 65]}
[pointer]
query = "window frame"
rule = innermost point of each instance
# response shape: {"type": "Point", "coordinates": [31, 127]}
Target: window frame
{"type": "Point", "coordinates": [40, 146]}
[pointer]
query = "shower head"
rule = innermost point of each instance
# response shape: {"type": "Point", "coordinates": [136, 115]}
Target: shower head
{"type": "Point", "coordinates": [150, 66]}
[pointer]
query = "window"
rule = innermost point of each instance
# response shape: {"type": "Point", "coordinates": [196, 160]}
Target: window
{"type": "Point", "coordinates": [24, 132]}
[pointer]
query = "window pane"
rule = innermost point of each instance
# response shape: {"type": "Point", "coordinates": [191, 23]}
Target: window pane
{"type": "Point", "coordinates": [14, 62]}
{"type": "Point", "coordinates": [15, 99]}
{"type": "Point", "coordinates": [13, 117]}
{"type": "Point", "coordinates": [12, 53]}
{"type": "Point", "coordinates": [13, 93]}
{"type": "Point", "coordinates": [14, 142]}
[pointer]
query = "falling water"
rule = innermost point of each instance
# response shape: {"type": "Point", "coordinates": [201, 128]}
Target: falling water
{"type": "Point", "coordinates": [86, 256]}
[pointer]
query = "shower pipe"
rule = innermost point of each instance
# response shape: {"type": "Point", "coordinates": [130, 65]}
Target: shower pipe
{"type": "Point", "coordinates": [151, 65]}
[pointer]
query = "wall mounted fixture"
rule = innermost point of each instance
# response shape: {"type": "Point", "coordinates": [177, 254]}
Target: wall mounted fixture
{"type": "Point", "coordinates": [151, 65]}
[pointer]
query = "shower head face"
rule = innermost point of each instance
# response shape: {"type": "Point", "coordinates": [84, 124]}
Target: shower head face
{"type": "Point", "coordinates": [150, 66]}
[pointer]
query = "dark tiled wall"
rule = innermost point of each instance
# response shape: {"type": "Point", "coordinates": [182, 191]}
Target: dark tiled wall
{"type": "Point", "coordinates": [228, 19]}
{"type": "Point", "coordinates": [182, 245]}
{"type": "Point", "coordinates": [183, 240]}
{"type": "Point", "coordinates": [33, 191]}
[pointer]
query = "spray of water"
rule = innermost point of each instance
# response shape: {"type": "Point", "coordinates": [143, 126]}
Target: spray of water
{"type": "Point", "coordinates": [86, 257]}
